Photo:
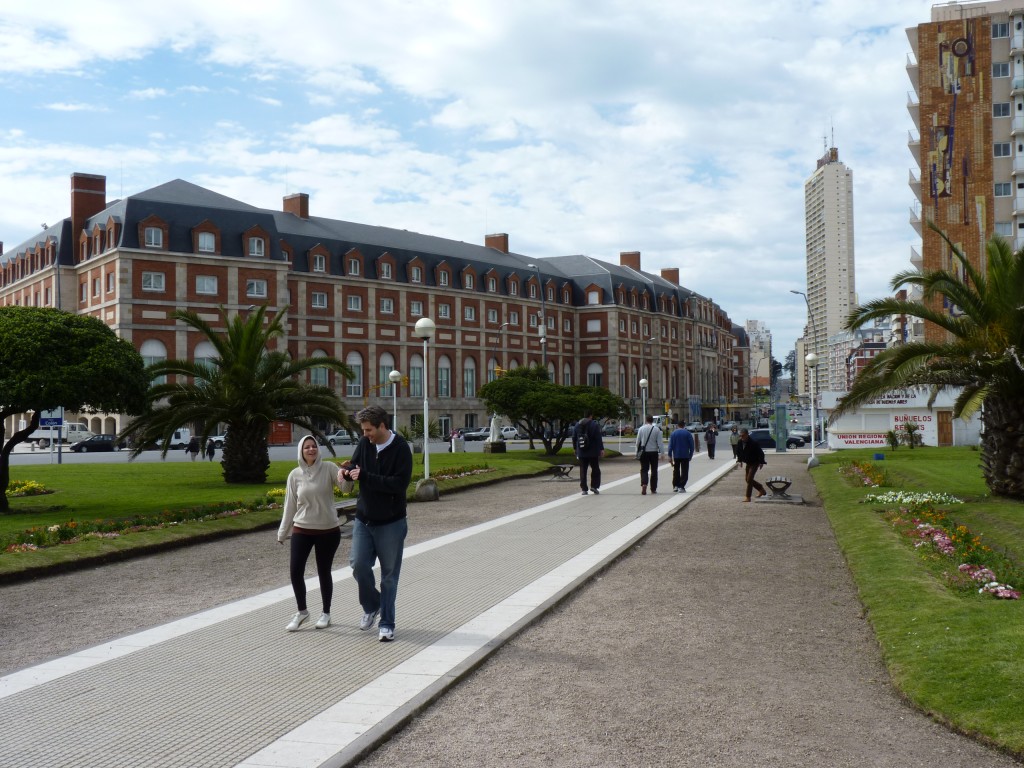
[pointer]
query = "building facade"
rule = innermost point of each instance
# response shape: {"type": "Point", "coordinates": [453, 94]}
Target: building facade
{"type": "Point", "coordinates": [831, 285]}
{"type": "Point", "coordinates": [355, 291]}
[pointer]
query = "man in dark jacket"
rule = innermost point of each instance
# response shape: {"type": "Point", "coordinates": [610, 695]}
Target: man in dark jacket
{"type": "Point", "coordinates": [751, 456]}
{"type": "Point", "coordinates": [382, 463]}
{"type": "Point", "coordinates": [588, 444]}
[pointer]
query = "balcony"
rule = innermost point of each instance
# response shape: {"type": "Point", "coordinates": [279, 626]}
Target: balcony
{"type": "Point", "coordinates": [1017, 43]}
{"type": "Point", "coordinates": [912, 39]}
{"type": "Point", "coordinates": [914, 145]}
{"type": "Point", "coordinates": [915, 258]}
{"type": "Point", "coordinates": [1017, 86]}
{"type": "Point", "coordinates": [1018, 205]}
{"type": "Point", "coordinates": [913, 72]}
{"type": "Point", "coordinates": [915, 220]}
{"type": "Point", "coordinates": [1018, 164]}
{"type": "Point", "coordinates": [1017, 126]}
{"type": "Point", "coordinates": [914, 108]}
{"type": "Point", "coordinates": [915, 185]}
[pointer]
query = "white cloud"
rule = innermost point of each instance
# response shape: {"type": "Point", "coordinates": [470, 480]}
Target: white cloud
{"type": "Point", "coordinates": [147, 93]}
{"type": "Point", "coordinates": [63, 106]}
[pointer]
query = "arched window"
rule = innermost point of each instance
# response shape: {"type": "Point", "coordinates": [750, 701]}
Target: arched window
{"type": "Point", "coordinates": [444, 376]}
{"type": "Point", "coordinates": [622, 380]}
{"type": "Point", "coordinates": [492, 369]}
{"type": "Point", "coordinates": [354, 386]}
{"type": "Point", "coordinates": [595, 375]}
{"type": "Point", "coordinates": [513, 364]}
{"type": "Point", "coordinates": [566, 375]}
{"type": "Point", "coordinates": [415, 376]}
{"type": "Point", "coordinates": [153, 351]}
{"type": "Point", "coordinates": [318, 375]}
{"type": "Point", "coordinates": [205, 354]}
{"type": "Point", "coordinates": [469, 377]}
{"type": "Point", "coordinates": [385, 365]}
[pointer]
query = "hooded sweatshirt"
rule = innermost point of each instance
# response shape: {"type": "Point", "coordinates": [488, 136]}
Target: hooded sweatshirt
{"type": "Point", "coordinates": [309, 496]}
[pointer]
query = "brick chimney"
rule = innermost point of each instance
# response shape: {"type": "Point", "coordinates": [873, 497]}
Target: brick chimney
{"type": "Point", "coordinates": [297, 205]}
{"type": "Point", "coordinates": [630, 259]}
{"type": "Point", "coordinates": [88, 197]}
{"type": "Point", "coordinates": [671, 274]}
{"type": "Point", "coordinates": [498, 242]}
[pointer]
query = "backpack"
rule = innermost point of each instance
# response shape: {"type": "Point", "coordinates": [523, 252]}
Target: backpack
{"type": "Point", "coordinates": [582, 436]}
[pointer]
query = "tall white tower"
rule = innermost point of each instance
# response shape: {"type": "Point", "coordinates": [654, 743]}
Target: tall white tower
{"type": "Point", "coordinates": [831, 291]}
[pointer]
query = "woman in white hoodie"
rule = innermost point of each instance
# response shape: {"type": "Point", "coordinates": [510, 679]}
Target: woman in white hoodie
{"type": "Point", "coordinates": [311, 521]}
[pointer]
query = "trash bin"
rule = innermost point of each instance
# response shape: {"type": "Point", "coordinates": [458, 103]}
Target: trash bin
{"type": "Point", "coordinates": [879, 456]}
{"type": "Point", "coordinates": [458, 445]}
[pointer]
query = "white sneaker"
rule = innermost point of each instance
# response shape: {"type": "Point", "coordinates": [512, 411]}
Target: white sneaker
{"type": "Point", "coordinates": [297, 619]}
{"type": "Point", "coordinates": [386, 635]}
{"type": "Point", "coordinates": [368, 620]}
{"type": "Point", "coordinates": [323, 622]}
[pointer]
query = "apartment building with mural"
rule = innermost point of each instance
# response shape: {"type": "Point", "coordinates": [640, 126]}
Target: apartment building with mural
{"type": "Point", "coordinates": [354, 291]}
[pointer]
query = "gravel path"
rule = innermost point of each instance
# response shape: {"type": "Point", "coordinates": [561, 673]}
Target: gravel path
{"type": "Point", "coordinates": [732, 636]}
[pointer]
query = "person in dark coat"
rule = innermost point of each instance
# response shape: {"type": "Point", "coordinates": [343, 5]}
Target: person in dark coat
{"type": "Point", "coordinates": [210, 449]}
{"type": "Point", "coordinates": [588, 443]}
{"type": "Point", "coordinates": [751, 456]}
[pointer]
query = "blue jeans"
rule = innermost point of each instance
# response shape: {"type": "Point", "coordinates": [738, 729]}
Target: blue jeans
{"type": "Point", "coordinates": [369, 544]}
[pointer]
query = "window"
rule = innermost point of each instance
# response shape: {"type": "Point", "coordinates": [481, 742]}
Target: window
{"type": "Point", "coordinates": [567, 325]}
{"type": "Point", "coordinates": [416, 308]}
{"type": "Point", "coordinates": [469, 378]}
{"type": "Point", "coordinates": [513, 318]}
{"type": "Point", "coordinates": [444, 377]}
{"type": "Point", "coordinates": [1004, 229]}
{"type": "Point", "coordinates": [353, 267]}
{"type": "Point", "coordinates": [319, 300]}
{"type": "Point", "coordinates": [95, 287]}
{"type": "Point", "coordinates": [1001, 149]}
{"type": "Point", "coordinates": [513, 288]}
{"type": "Point", "coordinates": [1004, 189]}
{"type": "Point", "coordinates": [1001, 109]}
{"type": "Point", "coordinates": [385, 365]}
{"type": "Point", "coordinates": [468, 282]}
{"type": "Point", "coordinates": [415, 376]}
{"type": "Point", "coordinates": [533, 321]}
{"type": "Point", "coordinates": [83, 294]}
{"type": "Point", "coordinates": [1000, 69]}
{"type": "Point", "coordinates": [566, 375]}
{"type": "Point", "coordinates": [206, 284]}
{"type": "Point", "coordinates": [110, 283]}
{"type": "Point", "coordinates": [152, 352]}
{"type": "Point", "coordinates": [594, 325]}
{"type": "Point", "coordinates": [533, 291]}
{"type": "Point", "coordinates": [492, 285]}
{"type": "Point", "coordinates": [354, 386]}
{"type": "Point", "coordinates": [319, 262]}
{"type": "Point", "coordinates": [153, 281]}
{"type": "Point", "coordinates": [355, 303]}
{"type": "Point", "coordinates": [551, 293]}
{"type": "Point", "coordinates": [622, 325]}
{"type": "Point", "coordinates": [256, 247]}
{"type": "Point", "coordinates": [442, 278]}
{"type": "Point", "coordinates": [551, 322]}
{"type": "Point", "coordinates": [416, 275]}
{"type": "Point", "coordinates": [256, 289]}
{"type": "Point", "coordinates": [593, 297]}
{"type": "Point", "coordinates": [1000, 29]}
{"type": "Point", "coordinates": [444, 310]}
{"type": "Point", "coordinates": [206, 242]}
{"type": "Point", "coordinates": [595, 375]}
{"type": "Point", "coordinates": [387, 306]}
{"type": "Point", "coordinates": [154, 237]}
{"type": "Point", "coordinates": [632, 327]}
{"type": "Point", "coordinates": [385, 271]}
{"type": "Point", "coordinates": [318, 375]}
{"type": "Point", "coordinates": [492, 315]}
{"type": "Point", "coordinates": [469, 313]}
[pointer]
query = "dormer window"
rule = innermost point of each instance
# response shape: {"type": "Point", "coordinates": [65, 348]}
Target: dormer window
{"type": "Point", "coordinates": [257, 247]}
{"type": "Point", "coordinates": [353, 267]}
{"type": "Point", "coordinates": [385, 271]}
{"type": "Point", "coordinates": [468, 282]}
{"type": "Point", "coordinates": [154, 237]}
{"type": "Point", "coordinates": [533, 291]}
{"type": "Point", "coordinates": [416, 275]}
{"type": "Point", "coordinates": [206, 242]}
{"type": "Point", "coordinates": [492, 285]}
{"type": "Point", "coordinates": [319, 263]}
{"type": "Point", "coordinates": [442, 279]}
{"type": "Point", "coordinates": [513, 288]}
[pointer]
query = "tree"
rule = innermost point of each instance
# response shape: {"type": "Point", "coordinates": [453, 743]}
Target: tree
{"type": "Point", "coordinates": [544, 410]}
{"type": "Point", "coordinates": [246, 386]}
{"type": "Point", "coordinates": [51, 359]}
{"type": "Point", "coordinates": [790, 364]}
{"type": "Point", "coordinates": [982, 354]}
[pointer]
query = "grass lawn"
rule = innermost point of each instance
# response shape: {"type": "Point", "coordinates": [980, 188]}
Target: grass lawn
{"type": "Point", "coordinates": [956, 655]}
{"type": "Point", "coordinates": [85, 492]}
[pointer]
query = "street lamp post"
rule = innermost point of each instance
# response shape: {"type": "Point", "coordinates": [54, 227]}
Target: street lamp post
{"type": "Point", "coordinates": [543, 317]}
{"type": "Point", "coordinates": [812, 362]}
{"type": "Point", "coordinates": [426, 489]}
{"type": "Point", "coordinates": [649, 357]}
{"type": "Point", "coordinates": [394, 377]}
{"type": "Point", "coordinates": [643, 401]}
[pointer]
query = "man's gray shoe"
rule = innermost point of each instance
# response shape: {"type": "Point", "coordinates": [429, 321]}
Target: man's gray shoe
{"type": "Point", "coordinates": [368, 620]}
{"type": "Point", "coordinates": [387, 634]}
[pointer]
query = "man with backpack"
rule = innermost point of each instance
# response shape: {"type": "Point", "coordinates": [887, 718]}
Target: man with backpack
{"type": "Point", "coordinates": [588, 444]}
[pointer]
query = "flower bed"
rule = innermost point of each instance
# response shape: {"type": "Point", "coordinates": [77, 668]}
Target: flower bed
{"type": "Point", "coordinates": [919, 518]}
{"type": "Point", "coordinates": [26, 488]}
{"type": "Point", "coordinates": [864, 473]}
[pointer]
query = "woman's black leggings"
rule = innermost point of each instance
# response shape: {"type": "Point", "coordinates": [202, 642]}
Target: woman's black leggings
{"type": "Point", "coordinates": [325, 544]}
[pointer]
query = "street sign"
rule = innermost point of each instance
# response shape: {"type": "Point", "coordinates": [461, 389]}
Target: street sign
{"type": "Point", "coordinates": [54, 418]}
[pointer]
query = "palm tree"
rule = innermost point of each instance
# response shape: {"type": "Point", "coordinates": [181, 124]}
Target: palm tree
{"type": "Point", "coordinates": [982, 356]}
{"type": "Point", "coordinates": [246, 387]}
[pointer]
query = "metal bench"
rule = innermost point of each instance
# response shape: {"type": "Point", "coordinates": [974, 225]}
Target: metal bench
{"type": "Point", "coordinates": [778, 486]}
{"type": "Point", "coordinates": [346, 508]}
{"type": "Point", "coordinates": [562, 471]}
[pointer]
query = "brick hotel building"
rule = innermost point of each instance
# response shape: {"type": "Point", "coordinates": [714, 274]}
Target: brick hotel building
{"type": "Point", "coordinates": [355, 291]}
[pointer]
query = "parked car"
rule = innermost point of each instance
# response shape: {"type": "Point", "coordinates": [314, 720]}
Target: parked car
{"type": "Point", "coordinates": [804, 433]}
{"type": "Point", "coordinates": [613, 428]}
{"type": "Point", "coordinates": [218, 440]}
{"type": "Point", "coordinates": [476, 433]}
{"type": "Point", "coordinates": [509, 433]}
{"type": "Point", "coordinates": [95, 444]}
{"type": "Point", "coordinates": [764, 438]}
{"type": "Point", "coordinates": [695, 427]}
{"type": "Point", "coordinates": [727, 426]}
{"type": "Point", "coordinates": [341, 437]}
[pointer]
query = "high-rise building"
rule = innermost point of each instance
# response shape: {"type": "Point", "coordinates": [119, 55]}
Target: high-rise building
{"type": "Point", "coordinates": [831, 290]}
{"type": "Point", "coordinates": [967, 71]}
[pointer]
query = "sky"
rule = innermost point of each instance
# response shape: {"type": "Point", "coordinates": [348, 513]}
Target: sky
{"type": "Point", "coordinates": [681, 129]}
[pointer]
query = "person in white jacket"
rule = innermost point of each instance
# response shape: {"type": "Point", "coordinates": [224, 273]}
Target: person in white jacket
{"type": "Point", "coordinates": [311, 521]}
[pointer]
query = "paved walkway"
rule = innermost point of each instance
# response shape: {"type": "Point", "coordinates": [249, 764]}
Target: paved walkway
{"type": "Point", "coordinates": [228, 687]}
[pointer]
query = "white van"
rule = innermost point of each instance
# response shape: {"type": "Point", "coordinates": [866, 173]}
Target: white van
{"type": "Point", "coordinates": [65, 433]}
{"type": "Point", "coordinates": [180, 439]}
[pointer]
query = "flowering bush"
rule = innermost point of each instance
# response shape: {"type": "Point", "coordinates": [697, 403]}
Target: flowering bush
{"type": "Point", "coordinates": [917, 517]}
{"type": "Point", "coordinates": [26, 488]}
{"type": "Point", "coordinates": [864, 473]}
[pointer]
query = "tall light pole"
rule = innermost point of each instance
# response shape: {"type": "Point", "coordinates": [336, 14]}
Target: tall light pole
{"type": "Point", "coordinates": [426, 489]}
{"type": "Point", "coordinates": [497, 343]}
{"type": "Point", "coordinates": [394, 377]}
{"type": "Point", "coordinates": [643, 401]}
{"type": "Point", "coordinates": [647, 344]}
{"type": "Point", "coordinates": [543, 317]}
{"type": "Point", "coordinates": [812, 362]}
{"type": "Point", "coordinates": [810, 319]}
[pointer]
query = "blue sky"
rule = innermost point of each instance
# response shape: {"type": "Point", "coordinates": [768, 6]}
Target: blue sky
{"type": "Point", "coordinates": [679, 129]}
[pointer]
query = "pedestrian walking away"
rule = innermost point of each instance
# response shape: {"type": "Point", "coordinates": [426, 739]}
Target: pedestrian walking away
{"type": "Point", "coordinates": [193, 448]}
{"type": "Point", "coordinates": [680, 452]}
{"type": "Point", "coordinates": [752, 458]}
{"type": "Point", "coordinates": [734, 441]}
{"type": "Point", "coordinates": [382, 464]}
{"type": "Point", "coordinates": [210, 449]}
{"type": "Point", "coordinates": [649, 448]}
{"type": "Point", "coordinates": [311, 521]}
{"type": "Point", "coordinates": [588, 444]}
{"type": "Point", "coordinates": [710, 438]}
